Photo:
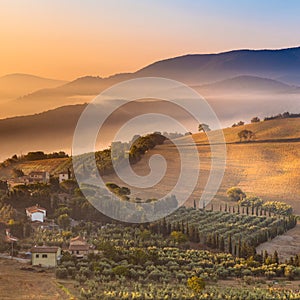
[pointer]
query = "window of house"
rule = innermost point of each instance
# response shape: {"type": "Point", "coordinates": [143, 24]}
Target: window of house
{"type": "Point", "coordinates": [44, 256]}
{"type": "Point", "coordinates": [77, 252]}
{"type": "Point", "coordinates": [37, 255]}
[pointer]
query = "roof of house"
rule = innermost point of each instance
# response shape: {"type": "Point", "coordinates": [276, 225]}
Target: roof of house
{"type": "Point", "coordinates": [35, 208]}
{"type": "Point", "coordinates": [44, 249]}
{"type": "Point", "coordinates": [77, 238]}
{"type": "Point", "coordinates": [78, 243]}
{"type": "Point", "coordinates": [22, 179]}
{"type": "Point", "coordinates": [42, 173]}
{"type": "Point", "coordinates": [79, 247]}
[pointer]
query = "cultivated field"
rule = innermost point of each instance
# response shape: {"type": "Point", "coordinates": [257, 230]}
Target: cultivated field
{"type": "Point", "coordinates": [26, 285]}
{"type": "Point", "coordinates": [267, 167]}
{"type": "Point", "coordinates": [52, 165]}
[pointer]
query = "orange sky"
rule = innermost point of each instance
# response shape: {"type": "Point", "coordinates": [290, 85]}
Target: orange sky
{"type": "Point", "coordinates": [67, 39]}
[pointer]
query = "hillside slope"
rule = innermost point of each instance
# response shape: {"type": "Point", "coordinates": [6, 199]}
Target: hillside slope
{"type": "Point", "coordinates": [267, 167]}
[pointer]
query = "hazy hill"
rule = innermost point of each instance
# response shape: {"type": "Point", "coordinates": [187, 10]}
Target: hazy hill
{"type": "Point", "coordinates": [45, 131]}
{"type": "Point", "coordinates": [17, 85]}
{"type": "Point", "coordinates": [53, 130]}
{"type": "Point", "coordinates": [247, 84]}
{"type": "Point", "coordinates": [223, 78]}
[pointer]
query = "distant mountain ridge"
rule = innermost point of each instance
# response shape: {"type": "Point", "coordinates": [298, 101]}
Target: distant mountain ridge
{"type": "Point", "coordinates": [205, 68]}
{"type": "Point", "coordinates": [247, 83]}
{"type": "Point", "coordinates": [238, 76]}
{"type": "Point", "coordinates": [212, 67]}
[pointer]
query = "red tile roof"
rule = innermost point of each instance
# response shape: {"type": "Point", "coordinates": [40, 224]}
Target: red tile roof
{"type": "Point", "coordinates": [77, 238]}
{"type": "Point", "coordinates": [78, 244]}
{"type": "Point", "coordinates": [35, 208]}
{"type": "Point", "coordinates": [79, 247]}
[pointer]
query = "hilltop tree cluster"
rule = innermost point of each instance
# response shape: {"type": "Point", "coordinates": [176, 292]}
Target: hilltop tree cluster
{"type": "Point", "coordinates": [276, 207]}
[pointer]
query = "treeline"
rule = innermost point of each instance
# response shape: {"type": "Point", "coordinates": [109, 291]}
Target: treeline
{"type": "Point", "coordinates": [31, 156]}
{"type": "Point", "coordinates": [256, 204]}
{"type": "Point", "coordinates": [104, 161]}
{"type": "Point", "coordinates": [285, 115]}
{"type": "Point", "coordinates": [38, 155]}
{"type": "Point", "coordinates": [143, 144]}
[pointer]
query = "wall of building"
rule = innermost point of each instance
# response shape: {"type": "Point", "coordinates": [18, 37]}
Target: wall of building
{"type": "Point", "coordinates": [44, 259]}
{"type": "Point", "coordinates": [37, 216]}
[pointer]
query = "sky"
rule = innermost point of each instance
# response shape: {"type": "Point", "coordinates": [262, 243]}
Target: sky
{"type": "Point", "coordinates": [66, 39]}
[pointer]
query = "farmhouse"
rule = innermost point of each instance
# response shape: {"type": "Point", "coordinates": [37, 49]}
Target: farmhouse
{"type": "Point", "coordinates": [33, 177]}
{"type": "Point", "coordinates": [79, 247]}
{"type": "Point", "coordinates": [64, 176]}
{"type": "Point", "coordinates": [17, 181]}
{"type": "Point", "coordinates": [39, 177]}
{"type": "Point", "coordinates": [36, 213]}
{"type": "Point", "coordinates": [45, 256]}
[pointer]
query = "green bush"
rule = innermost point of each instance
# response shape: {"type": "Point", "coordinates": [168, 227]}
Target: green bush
{"type": "Point", "coordinates": [61, 273]}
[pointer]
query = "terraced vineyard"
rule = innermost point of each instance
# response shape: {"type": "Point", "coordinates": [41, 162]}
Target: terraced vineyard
{"type": "Point", "coordinates": [232, 232]}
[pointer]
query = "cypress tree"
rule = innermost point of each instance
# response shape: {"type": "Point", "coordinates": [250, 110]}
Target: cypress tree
{"type": "Point", "coordinates": [229, 244]}
{"type": "Point", "coordinates": [275, 257]}
{"type": "Point", "coordinates": [222, 244]}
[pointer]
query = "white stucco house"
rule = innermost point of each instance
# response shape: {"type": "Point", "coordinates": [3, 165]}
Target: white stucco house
{"type": "Point", "coordinates": [36, 213]}
{"type": "Point", "coordinates": [63, 176]}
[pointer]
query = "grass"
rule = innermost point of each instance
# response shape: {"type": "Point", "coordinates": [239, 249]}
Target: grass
{"type": "Point", "coordinates": [62, 286]}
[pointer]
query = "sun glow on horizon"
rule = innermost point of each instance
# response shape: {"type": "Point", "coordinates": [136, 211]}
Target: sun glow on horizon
{"type": "Point", "coordinates": [70, 39]}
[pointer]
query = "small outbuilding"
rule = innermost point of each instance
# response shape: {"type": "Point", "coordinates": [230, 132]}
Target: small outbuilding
{"type": "Point", "coordinates": [45, 256]}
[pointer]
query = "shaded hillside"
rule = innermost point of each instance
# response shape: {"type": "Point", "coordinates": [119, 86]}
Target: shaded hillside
{"type": "Point", "coordinates": [50, 130]}
{"type": "Point", "coordinates": [53, 130]}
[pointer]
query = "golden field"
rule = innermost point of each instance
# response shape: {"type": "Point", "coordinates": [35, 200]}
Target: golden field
{"type": "Point", "coordinates": [267, 167]}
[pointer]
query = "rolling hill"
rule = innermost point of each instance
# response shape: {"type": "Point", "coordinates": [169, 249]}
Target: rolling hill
{"type": "Point", "coordinates": [267, 167]}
